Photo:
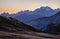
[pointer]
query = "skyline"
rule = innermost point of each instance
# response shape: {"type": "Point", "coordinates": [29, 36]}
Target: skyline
{"type": "Point", "coordinates": [14, 6]}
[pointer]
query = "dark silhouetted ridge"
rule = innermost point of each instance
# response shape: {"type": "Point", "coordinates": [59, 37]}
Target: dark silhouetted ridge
{"type": "Point", "coordinates": [13, 25]}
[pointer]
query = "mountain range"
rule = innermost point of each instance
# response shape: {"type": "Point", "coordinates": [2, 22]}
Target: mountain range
{"type": "Point", "coordinates": [37, 13]}
{"type": "Point", "coordinates": [42, 23]}
{"type": "Point", "coordinates": [40, 18]}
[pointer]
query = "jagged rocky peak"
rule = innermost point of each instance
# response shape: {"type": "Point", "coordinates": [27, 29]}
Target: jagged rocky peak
{"type": "Point", "coordinates": [47, 8]}
{"type": "Point", "coordinates": [44, 8]}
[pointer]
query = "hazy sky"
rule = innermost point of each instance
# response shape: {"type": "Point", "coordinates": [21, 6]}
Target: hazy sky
{"type": "Point", "coordinates": [13, 6]}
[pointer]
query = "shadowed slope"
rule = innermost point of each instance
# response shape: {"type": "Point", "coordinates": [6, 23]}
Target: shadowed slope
{"type": "Point", "coordinates": [13, 25]}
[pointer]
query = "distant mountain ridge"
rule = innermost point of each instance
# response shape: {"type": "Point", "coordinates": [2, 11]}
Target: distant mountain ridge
{"type": "Point", "coordinates": [37, 13]}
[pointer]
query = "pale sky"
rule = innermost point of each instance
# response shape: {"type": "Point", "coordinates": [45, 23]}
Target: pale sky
{"type": "Point", "coordinates": [13, 6]}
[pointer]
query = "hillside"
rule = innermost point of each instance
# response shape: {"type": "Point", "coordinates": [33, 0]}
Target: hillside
{"type": "Point", "coordinates": [11, 28]}
{"type": "Point", "coordinates": [12, 25]}
{"type": "Point", "coordinates": [31, 35]}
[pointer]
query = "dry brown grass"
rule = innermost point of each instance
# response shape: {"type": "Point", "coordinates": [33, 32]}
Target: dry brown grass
{"type": "Point", "coordinates": [30, 35]}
